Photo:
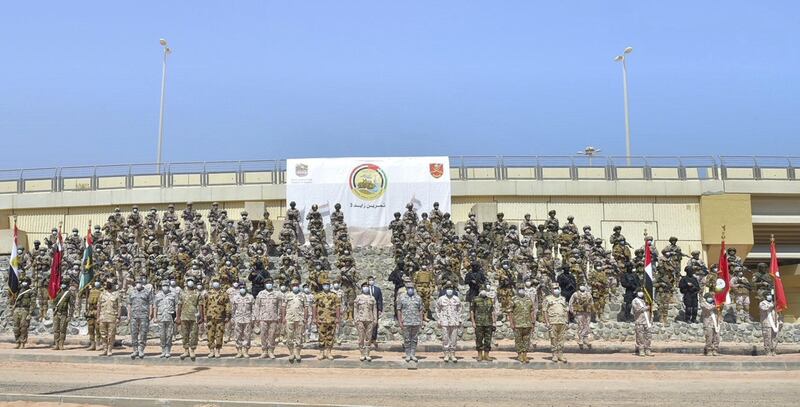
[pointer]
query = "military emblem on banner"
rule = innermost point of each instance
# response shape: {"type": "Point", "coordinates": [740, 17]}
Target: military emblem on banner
{"type": "Point", "coordinates": [301, 170]}
{"type": "Point", "coordinates": [436, 169]}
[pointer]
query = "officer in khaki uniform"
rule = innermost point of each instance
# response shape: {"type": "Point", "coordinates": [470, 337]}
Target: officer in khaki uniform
{"type": "Point", "coordinates": [554, 308]}
{"type": "Point", "coordinates": [63, 306]}
{"type": "Point", "coordinates": [108, 313]}
{"type": "Point", "coordinates": [365, 315]}
{"type": "Point", "coordinates": [23, 306]}
{"type": "Point", "coordinates": [327, 314]}
{"type": "Point", "coordinates": [188, 316]}
{"type": "Point", "coordinates": [91, 315]}
{"type": "Point", "coordinates": [295, 313]}
{"type": "Point", "coordinates": [424, 283]}
{"type": "Point", "coordinates": [522, 315]}
{"type": "Point", "coordinates": [217, 313]}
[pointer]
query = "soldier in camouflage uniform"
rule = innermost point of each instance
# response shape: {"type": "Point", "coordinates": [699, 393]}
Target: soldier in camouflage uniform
{"type": "Point", "coordinates": [762, 282]}
{"type": "Point", "coordinates": [217, 313]}
{"type": "Point", "coordinates": [424, 285]}
{"type": "Point", "coordinates": [139, 304]}
{"type": "Point", "coordinates": [365, 315]}
{"type": "Point", "coordinates": [189, 315]}
{"type": "Point", "coordinates": [164, 309]}
{"type": "Point", "coordinates": [664, 285]}
{"type": "Point", "coordinates": [599, 290]}
{"type": "Point", "coordinates": [24, 303]}
{"type": "Point", "coordinates": [242, 317]}
{"type": "Point", "coordinates": [522, 315]}
{"type": "Point", "coordinates": [63, 307]}
{"type": "Point", "coordinates": [506, 285]}
{"type": "Point", "coordinates": [409, 316]}
{"type": "Point", "coordinates": [267, 312]}
{"type": "Point", "coordinates": [643, 324]}
{"type": "Point", "coordinates": [91, 315]}
{"type": "Point", "coordinates": [740, 288]}
{"type": "Point", "coordinates": [295, 313]}
{"type": "Point", "coordinates": [555, 308]}
{"type": "Point", "coordinates": [581, 306]}
{"type": "Point", "coordinates": [108, 315]}
{"type": "Point", "coordinates": [327, 314]}
{"type": "Point", "coordinates": [484, 318]}
{"type": "Point", "coordinates": [712, 318]}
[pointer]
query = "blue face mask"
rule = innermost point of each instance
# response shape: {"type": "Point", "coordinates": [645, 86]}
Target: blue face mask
{"type": "Point", "coordinates": [296, 290]}
{"type": "Point", "coordinates": [410, 292]}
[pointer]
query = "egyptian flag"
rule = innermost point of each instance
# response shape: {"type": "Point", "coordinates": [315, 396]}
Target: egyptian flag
{"type": "Point", "coordinates": [723, 283]}
{"type": "Point", "coordinates": [87, 273]}
{"type": "Point", "coordinates": [13, 265]}
{"type": "Point", "coordinates": [780, 295]}
{"type": "Point", "coordinates": [649, 294]}
{"type": "Point", "coordinates": [55, 267]}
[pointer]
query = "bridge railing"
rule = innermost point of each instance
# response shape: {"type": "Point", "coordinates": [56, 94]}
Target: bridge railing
{"type": "Point", "coordinates": [467, 168]}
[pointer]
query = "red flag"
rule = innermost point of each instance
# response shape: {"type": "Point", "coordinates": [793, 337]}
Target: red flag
{"type": "Point", "coordinates": [780, 296]}
{"type": "Point", "coordinates": [723, 284]}
{"type": "Point", "coordinates": [55, 268]}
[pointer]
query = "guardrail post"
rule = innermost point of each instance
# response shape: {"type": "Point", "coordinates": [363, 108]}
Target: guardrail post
{"type": "Point", "coordinates": [756, 169]}
{"type": "Point", "coordinates": [129, 179]}
{"type": "Point", "coordinates": [500, 169]}
{"type": "Point", "coordinates": [573, 170]}
{"type": "Point", "coordinates": [21, 184]}
{"type": "Point", "coordinates": [94, 185]}
{"type": "Point", "coordinates": [239, 177]}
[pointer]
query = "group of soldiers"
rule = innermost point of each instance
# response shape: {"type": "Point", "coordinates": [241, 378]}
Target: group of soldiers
{"type": "Point", "coordinates": [174, 271]}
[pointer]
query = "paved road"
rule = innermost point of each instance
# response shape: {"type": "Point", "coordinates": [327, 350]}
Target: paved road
{"type": "Point", "coordinates": [474, 387]}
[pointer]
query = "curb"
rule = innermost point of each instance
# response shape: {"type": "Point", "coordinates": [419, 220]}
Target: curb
{"type": "Point", "coordinates": [140, 401]}
{"type": "Point", "coordinates": [541, 361]}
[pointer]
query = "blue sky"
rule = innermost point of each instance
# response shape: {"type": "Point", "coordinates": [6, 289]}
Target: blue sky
{"type": "Point", "coordinates": [80, 81]}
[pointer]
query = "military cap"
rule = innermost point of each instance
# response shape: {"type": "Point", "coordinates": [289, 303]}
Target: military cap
{"type": "Point", "coordinates": [570, 217]}
{"type": "Point", "coordinates": [695, 252]}
{"type": "Point", "coordinates": [365, 284]}
{"type": "Point", "coordinates": [164, 283]}
{"type": "Point", "coordinates": [171, 206]}
{"type": "Point", "coordinates": [554, 285]}
{"type": "Point", "coordinates": [135, 207]}
{"type": "Point", "coordinates": [243, 213]}
{"type": "Point", "coordinates": [618, 227]}
{"type": "Point", "coordinates": [673, 239]}
{"type": "Point", "coordinates": [36, 242]}
{"type": "Point", "coordinates": [189, 203]}
{"type": "Point", "coordinates": [215, 204]}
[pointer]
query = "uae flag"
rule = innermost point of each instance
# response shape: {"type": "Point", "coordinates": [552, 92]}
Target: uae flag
{"type": "Point", "coordinates": [13, 265]}
{"type": "Point", "coordinates": [87, 274]}
{"type": "Point", "coordinates": [780, 295]}
{"type": "Point", "coordinates": [55, 267]}
{"type": "Point", "coordinates": [649, 294]}
{"type": "Point", "coordinates": [723, 283]}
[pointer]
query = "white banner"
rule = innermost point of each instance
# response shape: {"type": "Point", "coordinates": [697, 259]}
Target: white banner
{"type": "Point", "coordinates": [370, 190]}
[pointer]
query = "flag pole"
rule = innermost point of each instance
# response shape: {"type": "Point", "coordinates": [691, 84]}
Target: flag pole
{"type": "Point", "coordinates": [772, 243]}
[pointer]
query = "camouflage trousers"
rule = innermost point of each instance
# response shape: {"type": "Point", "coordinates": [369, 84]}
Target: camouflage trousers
{"type": "Point", "coordinates": [269, 331]}
{"type": "Point", "coordinates": [483, 338]}
{"type": "Point", "coordinates": [21, 324]}
{"type": "Point", "coordinates": [108, 332]}
{"type": "Point", "coordinates": [449, 338]}
{"type": "Point", "coordinates": [189, 333]}
{"type": "Point", "coordinates": [742, 307]}
{"type": "Point", "coordinates": [364, 329]}
{"type": "Point", "coordinates": [598, 306]}
{"type": "Point", "coordinates": [712, 339]}
{"type": "Point", "coordinates": [94, 330]}
{"type": "Point", "coordinates": [504, 295]}
{"type": "Point", "coordinates": [216, 329]}
{"type": "Point", "coordinates": [166, 328]}
{"type": "Point", "coordinates": [556, 332]}
{"type": "Point", "coordinates": [60, 325]}
{"type": "Point", "coordinates": [582, 319]}
{"type": "Point", "coordinates": [663, 300]}
{"type": "Point", "coordinates": [643, 336]}
{"type": "Point", "coordinates": [770, 337]}
{"type": "Point", "coordinates": [425, 293]}
{"type": "Point", "coordinates": [327, 333]}
{"type": "Point", "coordinates": [294, 335]}
{"type": "Point", "coordinates": [241, 334]}
{"type": "Point", "coordinates": [139, 327]}
{"type": "Point", "coordinates": [410, 339]}
{"type": "Point", "coordinates": [522, 339]}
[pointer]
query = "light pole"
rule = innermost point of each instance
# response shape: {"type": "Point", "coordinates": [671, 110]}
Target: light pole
{"type": "Point", "coordinates": [589, 152]}
{"type": "Point", "coordinates": [622, 58]}
{"type": "Point", "coordinates": [167, 51]}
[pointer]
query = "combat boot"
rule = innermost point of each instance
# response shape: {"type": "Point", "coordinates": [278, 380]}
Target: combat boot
{"type": "Point", "coordinates": [297, 355]}
{"type": "Point", "coordinates": [330, 353]}
{"type": "Point", "coordinates": [648, 353]}
{"type": "Point", "coordinates": [22, 345]}
{"type": "Point", "coordinates": [321, 354]}
{"type": "Point", "coordinates": [192, 354]}
{"type": "Point", "coordinates": [555, 358]}
{"type": "Point", "coordinates": [480, 355]}
{"type": "Point", "coordinates": [561, 358]}
{"type": "Point", "coordinates": [246, 353]}
{"type": "Point", "coordinates": [367, 357]}
{"type": "Point", "coordinates": [19, 345]}
{"type": "Point", "coordinates": [167, 354]}
{"type": "Point", "coordinates": [271, 353]}
{"type": "Point", "coordinates": [210, 353]}
{"type": "Point", "coordinates": [60, 345]}
{"type": "Point", "coordinates": [239, 353]}
{"type": "Point", "coordinates": [446, 356]}
{"type": "Point", "coordinates": [640, 353]}
{"type": "Point", "coordinates": [714, 353]}
{"type": "Point", "coordinates": [217, 353]}
{"type": "Point", "coordinates": [263, 354]}
{"type": "Point", "coordinates": [92, 346]}
{"type": "Point", "coordinates": [363, 357]}
{"type": "Point", "coordinates": [525, 357]}
{"type": "Point", "coordinates": [135, 353]}
{"type": "Point", "coordinates": [185, 354]}
{"type": "Point", "coordinates": [486, 357]}
{"type": "Point", "coordinates": [453, 357]}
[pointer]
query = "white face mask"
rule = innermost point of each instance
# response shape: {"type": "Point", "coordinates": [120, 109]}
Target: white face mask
{"type": "Point", "coordinates": [582, 288]}
{"type": "Point", "coordinates": [268, 287]}
{"type": "Point", "coordinates": [139, 286]}
{"type": "Point", "coordinates": [365, 290]}
{"type": "Point", "coordinates": [336, 286]}
{"type": "Point", "coordinates": [307, 290]}
{"type": "Point", "coordinates": [165, 289]}
{"type": "Point", "coordinates": [556, 292]}
{"type": "Point", "coordinates": [640, 295]}
{"type": "Point", "coordinates": [242, 292]}
{"type": "Point", "coordinates": [215, 285]}
{"type": "Point", "coordinates": [449, 293]}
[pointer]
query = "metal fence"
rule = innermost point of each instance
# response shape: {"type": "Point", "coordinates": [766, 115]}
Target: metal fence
{"type": "Point", "coordinates": [213, 173]}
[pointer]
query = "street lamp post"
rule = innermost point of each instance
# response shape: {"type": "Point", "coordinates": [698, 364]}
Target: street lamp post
{"type": "Point", "coordinates": [622, 58]}
{"type": "Point", "coordinates": [589, 152]}
{"type": "Point", "coordinates": [167, 51]}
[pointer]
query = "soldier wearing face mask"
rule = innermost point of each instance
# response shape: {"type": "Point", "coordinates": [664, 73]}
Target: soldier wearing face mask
{"type": "Point", "coordinates": [268, 314]}
{"type": "Point", "coordinates": [555, 316]}
{"type": "Point", "coordinates": [448, 314]}
{"type": "Point", "coordinates": [63, 307]}
{"type": "Point", "coordinates": [365, 316]}
{"type": "Point", "coordinates": [242, 316]}
{"type": "Point", "coordinates": [522, 317]}
{"type": "Point", "coordinates": [295, 314]}
{"type": "Point", "coordinates": [108, 315]}
{"type": "Point", "coordinates": [580, 305]}
{"type": "Point", "coordinates": [189, 315]}
{"type": "Point", "coordinates": [327, 314]}
{"type": "Point", "coordinates": [139, 303]}
{"type": "Point", "coordinates": [643, 323]}
{"type": "Point", "coordinates": [23, 305]}
{"type": "Point", "coordinates": [164, 310]}
{"type": "Point", "coordinates": [217, 313]}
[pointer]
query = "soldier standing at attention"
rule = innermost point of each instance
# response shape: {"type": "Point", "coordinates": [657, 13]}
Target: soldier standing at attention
{"type": "Point", "coordinates": [580, 305]}
{"type": "Point", "coordinates": [710, 315]}
{"type": "Point", "coordinates": [448, 314]}
{"type": "Point", "coordinates": [267, 313]}
{"type": "Point", "coordinates": [217, 313]}
{"type": "Point", "coordinates": [365, 315]}
{"type": "Point", "coordinates": [483, 316]}
{"type": "Point", "coordinates": [188, 315]}
{"type": "Point", "coordinates": [689, 287]}
{"type": "Point", "coordinates": [295, 313]}
{"type": "Point", "coordinates": [643, 322]}
{"type": "Point", "coordinates": [555, 316]}
{"type": "Point", "coordinates": [409, 316]}
{"type": "Point", "coordinates": [108, 314]}
{"type": "Point", "coordinates": [771, 323]}
{"type": "Point", "coordinates": [424, 284]}
{"type": "Point", "coordinates": [91, 315]}
{"type": "Point", "coordinates": [23, 308]}
{"type": "Point", "coordinates": [140, 303]}
{"type": "Point", "coordinates": [740, 287]}
{"type": "Point", "coordinates": [522, 315]}
{"type": "Point", "coordinates": [327, 314]}
{"type": "Point", "coordinates": [164, 313]}
{"type": "Point", "coordinates": [63, 306]}
{"type": "Point", "coordinates": [242, 316]}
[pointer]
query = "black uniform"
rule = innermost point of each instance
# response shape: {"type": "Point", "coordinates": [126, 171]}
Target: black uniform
{"type": "Point", "coordinates": [689, 287]}
{"type": "Point", "coordinates": [258, 278]}
{"type": "Point", "coordinates": [475, 279]}
{"type": "Point", "coordinates": [630, 281]}
{"type": "Point", "coordinates": [566, 281]}
{"type": "Point", "coordinates": [396, 277]}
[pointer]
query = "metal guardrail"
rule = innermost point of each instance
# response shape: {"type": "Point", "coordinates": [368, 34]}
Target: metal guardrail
{"type": "Point", "coordinates": [254, 172]}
